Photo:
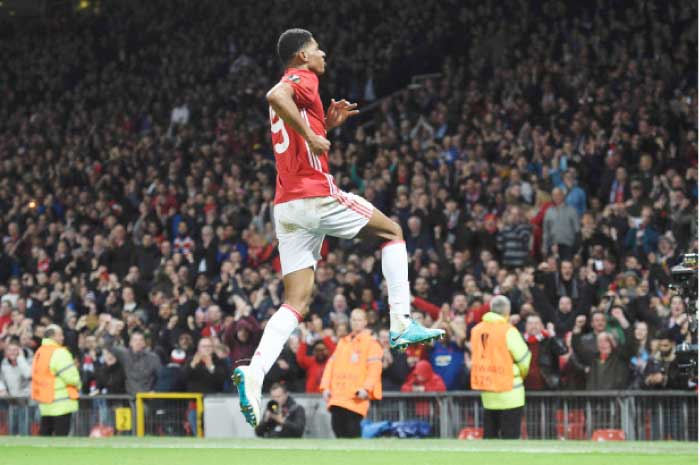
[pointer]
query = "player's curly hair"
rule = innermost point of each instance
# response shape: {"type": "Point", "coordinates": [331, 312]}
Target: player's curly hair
{"type": "Point", "coordinates": [290, 42]}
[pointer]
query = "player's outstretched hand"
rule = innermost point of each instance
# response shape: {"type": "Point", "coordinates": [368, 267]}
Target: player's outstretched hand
{"type": "Point", "coordinates": [318, 144]}
{"type": "Point", "coordinates": [338, 112]}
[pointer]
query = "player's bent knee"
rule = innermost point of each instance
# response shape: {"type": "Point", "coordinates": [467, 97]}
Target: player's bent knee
{"type": "Point", "coordinates": [396, 231]}
{"type": "Point", "coordinates": [300, 303]}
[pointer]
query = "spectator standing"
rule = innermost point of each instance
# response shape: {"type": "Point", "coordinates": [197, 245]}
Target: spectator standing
{"type": "Point", "coordinates": [171, 377]}
{"type": "Point", "coordinates": [286, 370]}
{"type": "Point", "coordinates": [315, 363]}
{"type": "Point", "coordinates": [16, 376]}
{"type": "Point", "coordinates": [447, 355]}
{"type": "Point", "coordinates": [110, 376]}
{"type": "Point", "coordinates": [395, 367]}
{"type": "Point", "coordinates": [515, 239]}
{"type": "Point", "coordinates": [205, 372]}
{"type": "Point", "coordinates": [546, 349]}
{"type": "Point", "coordinates": [283, 417]}
{"type": "Point", "coordinates": [55, 383]}
{"type": "Point", "coordinates": [608, 367]}
{"type": "Point", "coordinates": [561, 227]}
{"type": "Point", "coordinates": [352, 377]}
{"type": "Point", "coordinates": [141, 365]}
{"type": "Point", "coordinates": [500, 362]}
{"type": "Point", "coordinates": [661, 371]}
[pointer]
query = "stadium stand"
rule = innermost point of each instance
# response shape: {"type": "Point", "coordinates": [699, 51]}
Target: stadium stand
{"type": "Point", "coordinates": [136, 179]}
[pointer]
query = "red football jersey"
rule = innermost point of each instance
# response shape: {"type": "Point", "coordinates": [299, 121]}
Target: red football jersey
{"type": "Point", "coordinates": [300, 173]}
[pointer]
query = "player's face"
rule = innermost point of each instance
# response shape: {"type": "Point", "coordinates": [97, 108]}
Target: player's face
{"type": "Point", "coordinates": [316, 58]}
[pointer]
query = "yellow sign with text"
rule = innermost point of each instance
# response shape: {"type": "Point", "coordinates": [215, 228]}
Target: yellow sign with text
{"type": "Point", "coordinates": [122, 417]}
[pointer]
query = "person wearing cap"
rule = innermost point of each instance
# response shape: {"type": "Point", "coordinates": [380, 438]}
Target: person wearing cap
{"type": "Point", "coordinates": [500, 363]}
{"type": "Point", "coordinates": [55, 383]}
{"type": "Point", "coordinates": [353, 377]}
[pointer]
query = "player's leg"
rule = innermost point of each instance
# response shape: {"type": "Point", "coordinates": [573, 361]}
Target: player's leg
{"type": "Point", "coordinates": [298, 286]}
{"type": "Point", "coordinates": [394, 266]}
{"type": "Point", "coordinates": [299, 251]}
{"type": "Point", "coordinates": [350, 216]}
{"type": "Point", "coordinates": [403, 330]}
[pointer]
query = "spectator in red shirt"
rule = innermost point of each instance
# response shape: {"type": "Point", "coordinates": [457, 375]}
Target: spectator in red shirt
{"type": "Point", "coordinates": [315, 363]}
{"type": "Point", "coordinates": [5, 315]}
{"type": "Point", "coordinates": [545, 348]}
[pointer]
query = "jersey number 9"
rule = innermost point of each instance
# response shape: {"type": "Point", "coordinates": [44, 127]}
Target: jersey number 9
{"type": "Point", "coordinates": [278, 126]}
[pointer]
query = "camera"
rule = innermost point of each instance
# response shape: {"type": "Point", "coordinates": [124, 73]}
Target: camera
{"type": "Point", "coordinates": [273, 406]}
{"type": "Point", "coordinates": [685, 283]}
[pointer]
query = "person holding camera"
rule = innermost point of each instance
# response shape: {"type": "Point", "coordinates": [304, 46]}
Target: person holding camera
{"type": "Point", "coordinates": [353, 377]}
{"type": "Point", "coordinates": [662, 371]}
{"type": "Point", "coordinates": [283, 417]}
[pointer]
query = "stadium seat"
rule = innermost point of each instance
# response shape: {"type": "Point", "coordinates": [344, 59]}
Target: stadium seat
{"type": "Point", "coordinates": [471, 433]}
{"type": "Point", "coordinates": [575, 426]}
{"type": "Point", "coordinates": [101, 431]}
{"type": "Point", "coordinates": [608, 435]}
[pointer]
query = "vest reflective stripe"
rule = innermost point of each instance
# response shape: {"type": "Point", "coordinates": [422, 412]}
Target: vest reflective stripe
{"type": "Point", "coordinates": [527, 352]}
{"type": "Point", "coordinates": [492, 364]}
{"type": "Point", "coordinates": [67, 367]}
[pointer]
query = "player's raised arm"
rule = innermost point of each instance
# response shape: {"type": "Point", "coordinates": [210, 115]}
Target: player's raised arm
{"type": "Point", "coordinates": [281, 99]}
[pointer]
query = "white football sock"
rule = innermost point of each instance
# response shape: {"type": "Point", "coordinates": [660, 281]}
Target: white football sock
{"type": "Point", "coordinates": [395, 271]}
{"type": "Point", "coordinates": [277, 332]}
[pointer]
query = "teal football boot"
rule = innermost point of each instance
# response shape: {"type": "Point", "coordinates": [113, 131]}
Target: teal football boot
{"type": "Point", "coordinates": [414, 334]}
{"type": "Point", "coordinates": [249, 394]}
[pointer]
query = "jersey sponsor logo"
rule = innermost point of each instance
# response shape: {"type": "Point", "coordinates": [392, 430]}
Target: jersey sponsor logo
{"type": "Point", "coordinates": [294, 78]}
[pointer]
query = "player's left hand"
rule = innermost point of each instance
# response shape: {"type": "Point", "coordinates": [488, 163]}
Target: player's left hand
{"type": "Point", "coordinates": [339, 112]}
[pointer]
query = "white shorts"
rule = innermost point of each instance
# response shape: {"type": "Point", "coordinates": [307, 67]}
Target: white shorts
{"type": "Point", "coordinates": [302, 224]}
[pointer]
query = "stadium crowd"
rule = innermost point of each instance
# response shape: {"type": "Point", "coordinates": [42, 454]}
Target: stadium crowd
{"type": "Point", "coordinates": [553, 160]}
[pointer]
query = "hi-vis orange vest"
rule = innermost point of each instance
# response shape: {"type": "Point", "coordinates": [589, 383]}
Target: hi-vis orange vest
{"type": "Point", "coordinates": [43, 381]}
{"type": "Point", "coordinates": [355, 364]}
{"type": "Point", "coordinates": [492, 364]}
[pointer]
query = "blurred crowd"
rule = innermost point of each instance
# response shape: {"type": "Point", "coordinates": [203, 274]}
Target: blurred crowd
{"type": "Point", "coordinates": [551, 159]}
